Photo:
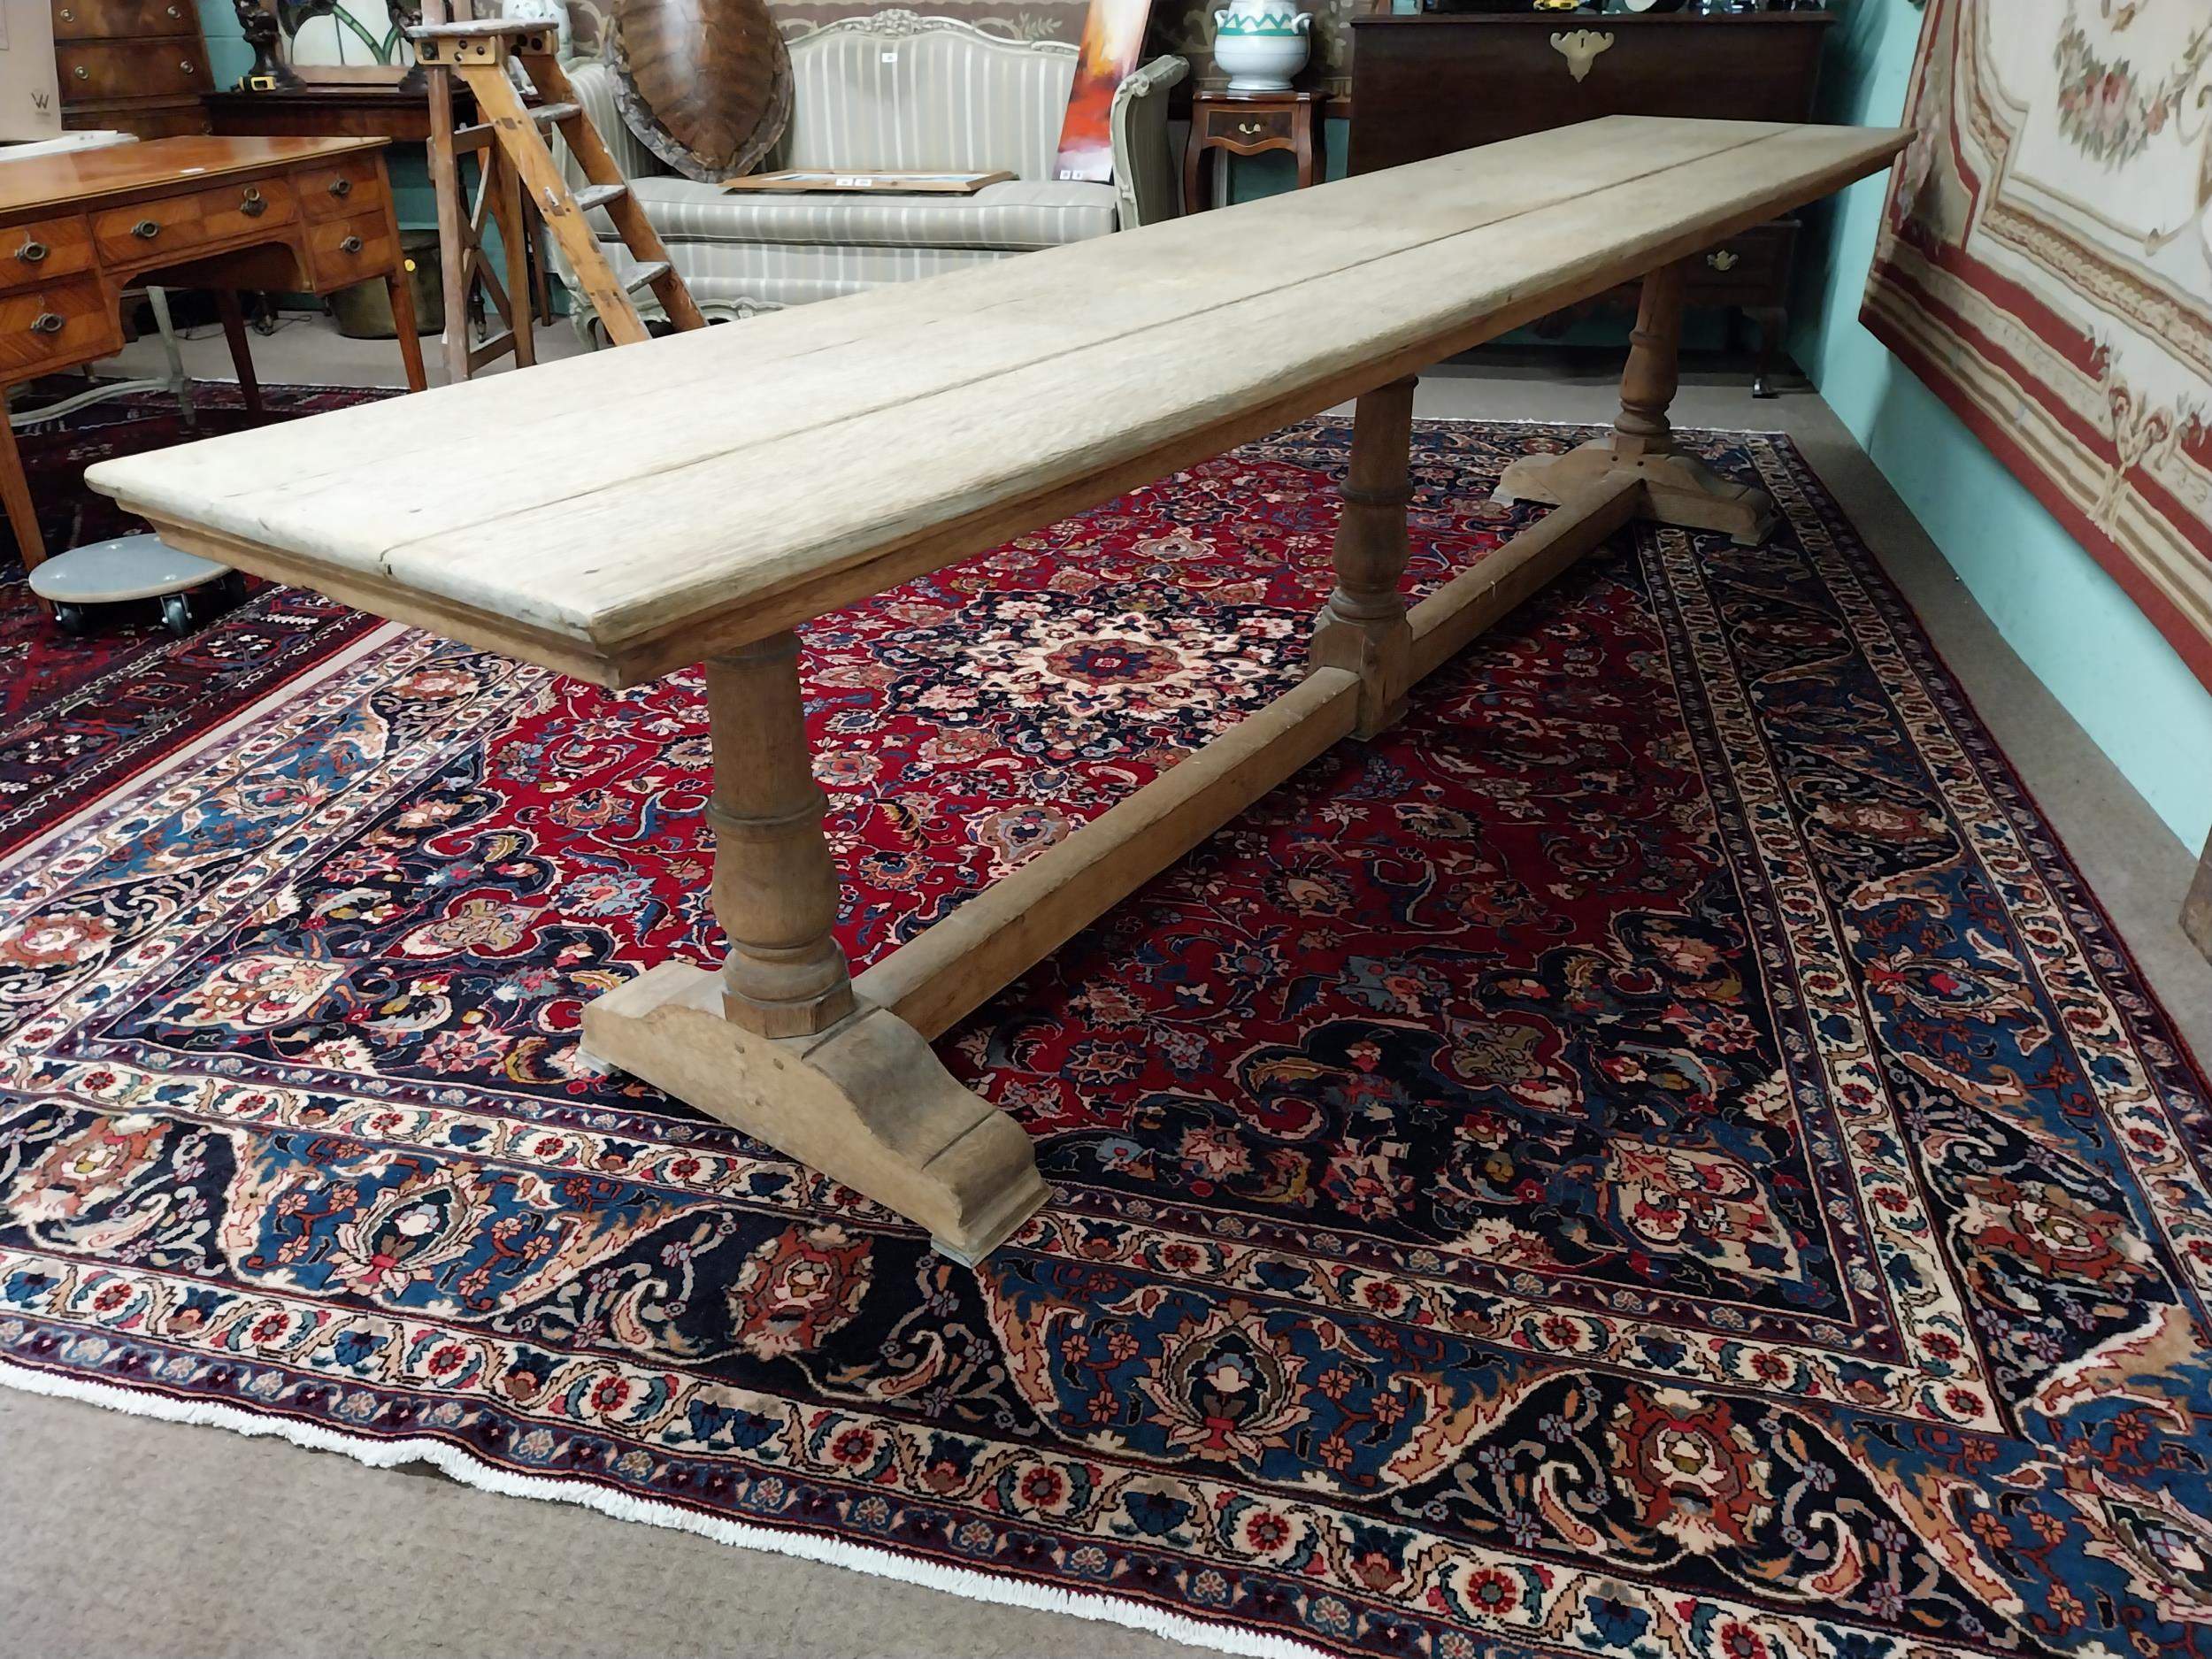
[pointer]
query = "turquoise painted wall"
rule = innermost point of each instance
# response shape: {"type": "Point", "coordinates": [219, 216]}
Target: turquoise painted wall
{"type": "Point", "coordinates": [2055, 605]}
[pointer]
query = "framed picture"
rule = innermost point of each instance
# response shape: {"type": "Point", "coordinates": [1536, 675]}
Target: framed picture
{"type": "Point", "coordinates": [1113, 36]}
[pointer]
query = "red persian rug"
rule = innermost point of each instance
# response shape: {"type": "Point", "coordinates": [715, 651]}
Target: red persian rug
{"type": "Point", "coordinates": [78, 717]}
{"type": "Point", "coordinates": [1659, 1156]}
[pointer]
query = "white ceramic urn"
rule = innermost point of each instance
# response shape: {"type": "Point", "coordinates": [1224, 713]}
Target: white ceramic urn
{"type": "Point", "coordinates": [1262, 43]}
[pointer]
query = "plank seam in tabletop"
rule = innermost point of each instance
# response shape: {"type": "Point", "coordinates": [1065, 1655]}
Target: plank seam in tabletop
{"type": "Point", "coordinates": [487, 500]}
{"type": "Point", "coordinates": [895, 309]}
{"type": "Point", "coordinates": [864, 536]}
{"type": "Point", "coordinates": [628, 639]}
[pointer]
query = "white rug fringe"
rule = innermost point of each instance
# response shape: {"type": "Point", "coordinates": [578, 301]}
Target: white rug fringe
{"type": "Point", "coordinates": [1004, 1591]}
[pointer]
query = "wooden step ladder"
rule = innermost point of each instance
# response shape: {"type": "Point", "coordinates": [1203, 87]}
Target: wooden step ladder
{"type": "Point", "coordinates": [517, 165]}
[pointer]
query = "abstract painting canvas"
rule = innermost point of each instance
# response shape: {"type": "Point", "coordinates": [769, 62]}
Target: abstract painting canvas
{"type": "Point", "coordinates": [1113, 36]}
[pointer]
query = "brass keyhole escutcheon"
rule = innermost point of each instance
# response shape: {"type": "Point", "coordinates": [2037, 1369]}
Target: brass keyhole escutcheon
{"type": "Point", "coordinates": [1581, 47]}
{"type": "Point", "coordinates": [1721, 260]}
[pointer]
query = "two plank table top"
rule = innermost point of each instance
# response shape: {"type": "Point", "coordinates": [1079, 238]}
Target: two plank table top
{"type": "Point", "coordinates": [624, 514]}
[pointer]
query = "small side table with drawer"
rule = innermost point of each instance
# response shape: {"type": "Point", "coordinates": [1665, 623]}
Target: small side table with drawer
{"type": "Point", "coordinates": [308, 215]}
{"type": "Point", "coordinates": [1250, 123]}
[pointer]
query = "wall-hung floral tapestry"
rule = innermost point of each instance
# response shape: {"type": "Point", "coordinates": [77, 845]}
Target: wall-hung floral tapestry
{"type": "Point", "coordinates": [2044, 268]}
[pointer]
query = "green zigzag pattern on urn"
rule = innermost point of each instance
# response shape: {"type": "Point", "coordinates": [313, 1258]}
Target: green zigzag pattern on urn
{"type": "Point", "coordinates": [1265, 23]}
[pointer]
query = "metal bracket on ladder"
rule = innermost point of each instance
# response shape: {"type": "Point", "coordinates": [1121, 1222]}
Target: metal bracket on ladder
{"type": "Point", "coordinates": [515, 163]}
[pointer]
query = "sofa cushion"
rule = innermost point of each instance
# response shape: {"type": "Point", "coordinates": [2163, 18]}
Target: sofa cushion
{"type": "Point", "coordinates": [897, 99]}
{"type": "Point", "coordinates": [1014, 217]}
{"type": "Point", "coordinates": [748, 276]}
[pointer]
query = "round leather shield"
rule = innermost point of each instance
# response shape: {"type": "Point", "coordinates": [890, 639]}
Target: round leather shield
{"type": "Point", "coordinates": [704, 84]}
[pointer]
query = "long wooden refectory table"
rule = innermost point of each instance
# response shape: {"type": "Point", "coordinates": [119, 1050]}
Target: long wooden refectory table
{"type": "Point", "coordinates": [622, 515]}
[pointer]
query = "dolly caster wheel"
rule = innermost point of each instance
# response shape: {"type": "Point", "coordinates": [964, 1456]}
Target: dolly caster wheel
{"type": "Point", "coordinates": [71, 620]}
{"type": "Point", "coordinates": [176, 614]}
{"type": "Point", "coordinates": [234, 588]}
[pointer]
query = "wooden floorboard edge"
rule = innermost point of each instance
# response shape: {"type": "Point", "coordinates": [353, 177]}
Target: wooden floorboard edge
{"type": "Point", "coordinates": [1449, 618]}
{"type": "Point", "coordinates": [960, 963]}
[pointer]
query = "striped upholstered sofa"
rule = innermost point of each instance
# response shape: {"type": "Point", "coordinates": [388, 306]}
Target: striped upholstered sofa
{"type": "Point", "coordinates": [895, 92]}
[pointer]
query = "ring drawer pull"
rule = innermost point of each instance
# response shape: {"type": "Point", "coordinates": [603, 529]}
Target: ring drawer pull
{"type": "Point", "coordinates": [341, 186]}
{"type": "Point", "coordinates": [351, 244]}
{"type": "Point", "coordinates": [47, 323]}
{"type": "Point", "coordinates": [67, 16]}
{"type": "Point", "coordinates": [146, 230]}
{"type": "Point", "coordinates": [82, 73]}
{"type": "Point", "coordinates": [252, 203]}
{"type": "Point", "coordinates": [1721, 260]}
{"type": "Point", "coordinates": [175, 12]}
{"type": "Point", "coordinates": [184, 64]}
{"type": "Point", "coordinates": [32, 252]}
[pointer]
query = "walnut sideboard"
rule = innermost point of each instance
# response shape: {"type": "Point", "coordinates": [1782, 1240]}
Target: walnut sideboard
{"type": "Point", "coordinates": [308, 215]}
{"type": "Point", "coordinates": [1431, 84]}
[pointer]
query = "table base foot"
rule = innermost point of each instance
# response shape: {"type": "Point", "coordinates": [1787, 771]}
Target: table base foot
{"type": "Point", "coordinates": [866, 1102]}
{"type": "Point", "coordinates": [1682, 490]}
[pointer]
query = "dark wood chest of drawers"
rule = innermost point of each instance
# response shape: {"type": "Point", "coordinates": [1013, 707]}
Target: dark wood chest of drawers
{"type": "Point", "coordinates": [1431, 84]}
{"type": "Point", "coordinates": [132, 66]}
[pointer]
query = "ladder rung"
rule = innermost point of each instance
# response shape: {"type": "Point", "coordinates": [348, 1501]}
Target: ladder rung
{"type": "Point", "coordinates": [477, 29]}
{"type": "Point", "coordinates": [598, 196]}
{"type": "Point", "coordinates": [545, 114]}
{"type": "Point", "coordinates": [500, 345]}
{"type": "Point", "coordinates": [652, 270]}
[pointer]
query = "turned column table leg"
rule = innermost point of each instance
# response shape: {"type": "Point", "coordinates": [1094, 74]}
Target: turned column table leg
{"type": "Point", "coordinates": [775, 883]}
{"type": "Point", "coordinates": [1363, 626]}
{"type": "Point", "coordinates": [1679, 488]}
{"type": "Point", "coordinates": [776, 1043]}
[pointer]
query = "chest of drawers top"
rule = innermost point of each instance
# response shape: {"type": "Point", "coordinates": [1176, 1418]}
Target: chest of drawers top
{"type": "Point", "coordinates": [1430, 83]}
{"type": "Point", "coordinates": [135, 65]}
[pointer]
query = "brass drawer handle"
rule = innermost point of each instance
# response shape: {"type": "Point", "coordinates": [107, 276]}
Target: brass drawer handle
{"type": "Point", "coordinates": [146, 230]}
{"type": "Point", "coordinates": [32, 253]}
{"type": "Point", "coordinates": [184, 64]}
{"type": "Point", "coordinates": [341, 186]}
{"type": "Point", "coordinates": [175, 12]}
{"type": "Point", "coordinates": [252, 203]}
{"type": "Point", "coordinates": [47, 323]}
{"type": "Point", "coordinates": [1249, 126]}
{"type": "Point", "coordinates": [1721, 260]}
{"type": "Point", "coordinates": [351, 244]}
{"type": "Point", "coordinates": [67, 16]}
{"type": "Point", "coordinates": [82, 72]}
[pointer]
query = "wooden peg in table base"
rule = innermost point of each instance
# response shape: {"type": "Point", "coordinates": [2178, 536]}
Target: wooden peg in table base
{"type": "Point", "coordinates": [1680, 488]}
{"type": "Point", "coordinates": [777, 1044]}
{"type": "Point", "coordinates": [1363, 626]}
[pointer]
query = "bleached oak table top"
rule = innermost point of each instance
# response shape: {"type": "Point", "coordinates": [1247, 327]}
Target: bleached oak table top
{"type": "Point", "coordinates": [619, 515]}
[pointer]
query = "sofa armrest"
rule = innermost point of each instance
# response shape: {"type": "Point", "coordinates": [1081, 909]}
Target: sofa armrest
{"type": "Point", "coordinates": [1145, 180]}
